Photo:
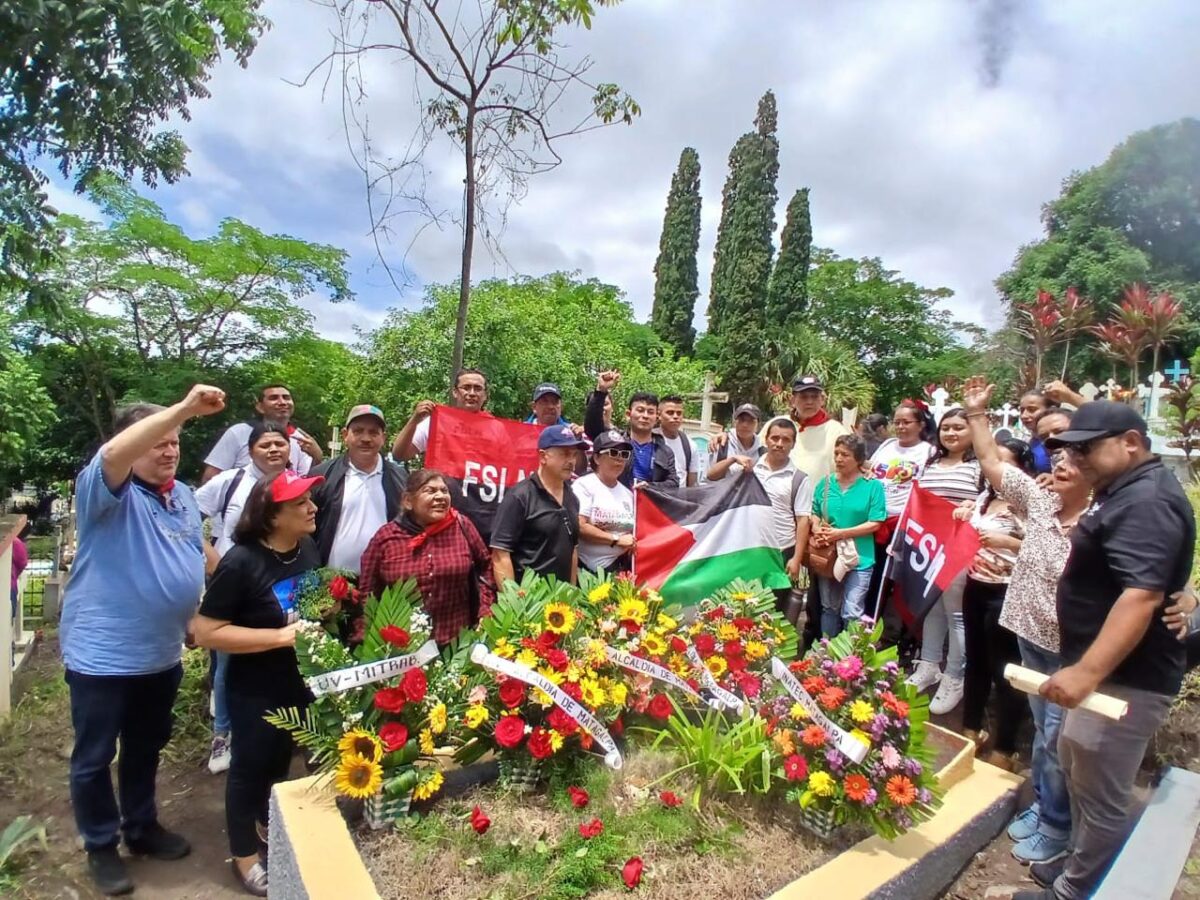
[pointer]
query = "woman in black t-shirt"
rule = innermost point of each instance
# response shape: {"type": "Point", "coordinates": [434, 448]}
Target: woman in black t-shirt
{"type": "Point", "coordinates": [249, 611]}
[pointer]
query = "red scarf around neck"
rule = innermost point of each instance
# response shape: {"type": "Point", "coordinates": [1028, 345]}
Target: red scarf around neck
{"type": "Point", "coordinates": [818, 418]}
{"type": "Point", "coordinates": [430, 530]}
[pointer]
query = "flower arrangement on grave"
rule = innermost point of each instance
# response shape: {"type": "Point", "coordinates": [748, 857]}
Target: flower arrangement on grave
{"type": "Point", "coordinates": [373, 722]}
{"type": "Point", "coordinates": [736, 633]}
{"type": "Point", "coordinates": [539, 632]}
{"type": "Point", "coordinates": [636, 625]}
{"type": "Point", "coordinates": [857, 703]}
{"type": "Point", "coordinates": [330, 598]}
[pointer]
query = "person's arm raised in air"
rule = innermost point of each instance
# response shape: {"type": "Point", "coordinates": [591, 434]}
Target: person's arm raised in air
{"type": "Point", "coordinates": [977, 393]}
{"type": "Point", "coordinates": [402, 446]}
{"type": "Point", "coordinates": [118, 455]}
{"type": "Point", "coordinates": [593, 416]}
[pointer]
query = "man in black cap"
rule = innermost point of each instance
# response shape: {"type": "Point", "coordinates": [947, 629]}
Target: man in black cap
{"type": "Point", "coordinates": [740, 440]}
{"type": "Point", "coordinates": [1130, 549]}
{"type": "Point", "coordinates": [537, 526]}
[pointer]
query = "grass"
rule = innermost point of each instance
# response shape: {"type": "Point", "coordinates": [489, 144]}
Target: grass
{"type": "Point", "coordinates": [41, 546]}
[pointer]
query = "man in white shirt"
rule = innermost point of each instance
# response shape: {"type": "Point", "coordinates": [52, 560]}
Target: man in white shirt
{"type": "Point", "coordinates": [790, 490]}
{"type": "Point", "coordinates": [670, 425]}
{"type": "Point", "coordinates": [274, 404]}
{"type": "Point", "coordinates": [470, 393]}
{"type": "Point", "coordinates": [361, 492]}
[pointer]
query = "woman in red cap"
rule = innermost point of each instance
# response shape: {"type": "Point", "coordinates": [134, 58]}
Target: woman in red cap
{"type": "Point", "coordinates": [249, 611]}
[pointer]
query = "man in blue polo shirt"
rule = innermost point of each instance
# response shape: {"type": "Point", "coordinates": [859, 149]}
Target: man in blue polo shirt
{"type": "Point", "coordinates": [137, 579]}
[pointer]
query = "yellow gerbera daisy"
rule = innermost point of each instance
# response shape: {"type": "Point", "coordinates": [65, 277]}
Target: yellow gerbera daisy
{"type": "Point", "coordinates": [592, 693]}
{"type": "Point", "coordinates": [573, 673]}
{"type": "Point", "coordinates": [560, 618]}
{"type": "Point", "coordinates": [798, 712]}
{"type": "Point", "coordinates": [600, 592]}
{"type": "Point", "coordinates": [617, 693]}
{"type": "Point", "coordinates": [634, 610]}
{"type": "Point", "coordinates": [541, 698]}
{"type": "Point", "coordinates": [437, 718]}
{"type": "Point", "coordinates": [357, 777]}
{"type": "Point", "coordinates": [861, 712]}
{"type": "Point", "coordinates": [504, 649]}
{"type": "Point", "coordinates": [755, 650]}
{"type": "Point", "coordinates": [695, 628]}
{"type": "Point", "coordinates": [556, 677]}
{"type": "Point", "coordinates": [716, 665]}
{"type": "Point", "coordinates": [426, 739]}
{"type": "Point", "coordinates": [527, 658]}
{"type": "Point", "coordinates": [596, 656]}
{"type": "Point", "coordinates": [654, 645]}
{"type": "Point", "coordinates": [360, 742]}
{"type": "Point", "coordinates": [428, 787]}
{"type": "Point", "coordinates": [475, 716]}
{"type": "Point", "coordinates": [666, 622]}
{"type": "Point", "coordinates": [556, 740]}
{"type": "Point", "coordinates": [727, 631]}
{"type": "Point", "coordinates": [741, 596]}
{"type": "Point", "coordinates": [821, 784]}
{"type": "Point", "coordinates": [861, 735]}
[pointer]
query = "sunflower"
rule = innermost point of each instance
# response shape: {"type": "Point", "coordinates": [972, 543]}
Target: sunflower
{"type": "Point", "coordinates": [680, 666]}
{"type": "Point", "coordinates": [504, 649]}
{"type": "Point", "coordinates": [361, 743]}
{"type": "Point", "coordinates": [755, 650]}
{"type": "Point", "coordinates": [357, 777]}
{"type": "Point", "coordinates": [741, 596]}
{"type": "Point", "coordinates": [551, 675]}
{"type": "Point", "coordinates": [527, 658]}
{"type": "Point", "coordinates": [437, 718]}
{"type": "Point", "coordinates": [426, 739]}
{"type": "Point", "coordinates": [727, 631]}
{"type": "Point", "coordinates": [560, 618]}
{"type": "Point", "coordinates": [633, 610]}
{"type": "Point", "coordinates": [600, 592]}
{"type": "Point", "coordinates": [556, 740]}
{"type": "Point", "coordinates": [541, 698]}
{"type": "Point", "coordinates": [475, 716]}
{"type": "Point", "coordinates": [716, 665]}
{"type": "Point", "coordinates": [654, 645]}
{"type": "Point", "coordinates": [666, 623]}
{"type": "Point", "coordinates": [428, 787]}
{"type": "Point", "coordinates": [592, 693]}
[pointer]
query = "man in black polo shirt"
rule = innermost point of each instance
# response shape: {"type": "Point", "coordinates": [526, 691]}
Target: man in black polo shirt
{"type": "Point", "coordinates": [1130, 549]}
{"type": "Point", "coordinates": [537, 526]}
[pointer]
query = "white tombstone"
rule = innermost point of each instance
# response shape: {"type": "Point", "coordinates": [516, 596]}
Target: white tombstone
{"type": "Point", "coordinates": [1154, 395]}
{"type": "Point", "coordinates": [1006, 413]}
{"type": "Point", "coordinates": [1089, 391]}
{"type": "Point", "coordinates": [938, 407]}
{"type": "Point", "coordinates": [1109, 389]}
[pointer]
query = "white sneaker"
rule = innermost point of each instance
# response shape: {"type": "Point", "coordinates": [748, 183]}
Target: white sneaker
{"type": "Point", "coordinates": [948, 696]}
{"type": "Point", "coordinates": [218, 762]}
{"type": "Point", "coordinates": [925, 676]}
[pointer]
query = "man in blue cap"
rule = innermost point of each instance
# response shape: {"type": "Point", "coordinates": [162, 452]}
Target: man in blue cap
{"type": "Point", "coordinates": [537, 526]}
{"type": "Point", "coordinates": [546, 406]}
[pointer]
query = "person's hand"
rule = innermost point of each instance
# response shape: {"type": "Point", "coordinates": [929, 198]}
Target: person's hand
{"type": "Point", "coordinates": [745, 462]}
{"type": "Point", "coordinates": [1176, 615]}
{"type": "Point", "coordinates": [1069, 686]}
{"type": "Point", "coordinates": [964, 511]}
{"type": "Point", "coordinates": [204, 400]}
{"type": "Point", "coordinates": [1058, 392]}
{"type": "Point", "coordinates": [977, 393]}
{"type": "Point", "coordinates": [981, 566]}
{"type": "Point", "coordinates": [717, 441]}
{"type": "Point", "coordinates": [991, 539]}
{"type": "Point", "coordinates": [287, 634]}
{"type": "Point", "coordinates": [627, 542]}
{"type": "Point", "coordinates": [306, 442]}
{"type": "Point", "coordinates": [793, 568]}
{"type": "Point", "coordinates": [607, 381]}
{"type": "Point", "coordinates": [423, 410]}
{"type": "Point", "coordinates": [1045, 481]}
{"type": "Point", "coordinates": [577, 430]}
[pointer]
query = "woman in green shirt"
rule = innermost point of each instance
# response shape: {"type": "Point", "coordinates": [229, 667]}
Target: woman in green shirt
{"type": "Point", "coordinates": [846, 504]}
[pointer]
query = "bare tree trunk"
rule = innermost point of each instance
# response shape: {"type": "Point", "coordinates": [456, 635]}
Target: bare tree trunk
{"type": "Point", "coordinates": [468, 247]}
{"type": "Point", "coordinates": [1066, 357]}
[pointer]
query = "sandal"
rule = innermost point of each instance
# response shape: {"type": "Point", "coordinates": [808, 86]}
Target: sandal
{"type": "Point", "coordinates": [253, 882]}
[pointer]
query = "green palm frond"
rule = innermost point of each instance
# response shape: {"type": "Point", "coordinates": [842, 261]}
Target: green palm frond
{"type": "Point", "coordinates": [395, 606]}
{"type": "Point", "coordinates": [308, 733]}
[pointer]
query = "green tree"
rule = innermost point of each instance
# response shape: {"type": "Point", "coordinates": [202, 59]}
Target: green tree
{"type": "Point", "coordinates": [744, 250]}
{"type": "Point", "coordinates": [496, 76]}
{"type": "Point", "coordinates": [86, 85]}
{"type": "Point", "coordinates": [675, 274]}
{"type": "Point", "coordinates": [798, 349]}
{"type": "Point", "coordinates": [25, 408]}
{"type": "Point", "coordinates": [521, 332]}
{"type": "Point", "coordinates": [788, 295]}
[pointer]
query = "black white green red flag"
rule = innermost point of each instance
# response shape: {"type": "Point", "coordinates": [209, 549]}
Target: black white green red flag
{"type": "Point", "coordinates": [691, 541]}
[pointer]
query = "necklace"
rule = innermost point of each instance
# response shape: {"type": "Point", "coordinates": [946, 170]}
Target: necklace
{"type": "Point", "coordinates": [280, 557]}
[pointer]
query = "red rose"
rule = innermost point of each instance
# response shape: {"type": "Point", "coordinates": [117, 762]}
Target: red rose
{"type": "Point", "coordinates": [660, 706]}
{"type": "Point", "coordinates": [339, 588]}
{"type": "Point", "coordinates": [390, 699]}
{"type": "Point", "coordinates": [733, 648]}
{"type": "Point", "coordinates": [713, 614]}
{"type": "Point", "coordinates": [742, 624]}
{"type": "Point", "coordinates": [693, 684]}
{"type": "Point", "coordinates": [539, 744]}
{"type": "Point", "coordinates": [589, 830]}
{"type": "Point", "coordinates": [356, 596]}
{"type": "Point", "coordinates": [795, 768]}
{"type": "Point", "coordinates": [394, 735]}
{"type": "Point", "coordinates": [546, 641]}
{"type": "Point", "coordinates": [512, 693]}
{"type": "Point", "coordinates": [579, 797]}
{"type": "Point", "coordinates": [557, 659]}
{"type": "Point", "coordinates": [395, 635]}
{"type": "Point", "coordinates": [631, 872]}
{"type": "Point", "coordinates": [572, 690]}
{"type": "Point", "coordinates": [617, 727]}
{"type": "Point", "coordinates": [678, 644]}
{"type": "Point", "coordinates": [479, 820]}
{"type": "Point", "coordinates": [561, 722]}
{"type": "Point", "coordinates": [414, 685]}
{"type": "Point", "coordinates": [670, 798]}
{"type": "Point", "coordinates": [750, 685]}
{"type": "Point", "coordinates": [510, 731]}
{"type": "Point", "coordinates": [705, 644]}
{"type": "Point", "coordinates": [630, 626]}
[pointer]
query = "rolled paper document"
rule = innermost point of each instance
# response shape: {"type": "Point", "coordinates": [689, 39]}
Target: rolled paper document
{"type": "Point", "coordinates": [1030, 682]}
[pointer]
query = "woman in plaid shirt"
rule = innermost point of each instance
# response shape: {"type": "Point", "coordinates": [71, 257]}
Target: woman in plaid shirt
{"type": "Point", "coordinates": [431, 542]}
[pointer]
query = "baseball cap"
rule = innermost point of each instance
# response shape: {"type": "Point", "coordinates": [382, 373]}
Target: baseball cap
{"type": "Point", "coordinates": [365, 409]}
{"type": "Point", "coordinates": [546, 387]}
{"type": "Point", "coordinates": [287, 485]}
{"type": "Point", "coordinates": [748, 409]}
{"type": "Point", "coordinates": [1098, 419]}
{"type": "Point", "coordinates": [611, 440]}
{"type": "Point", "coordinates": [558, 436]}
{"type": "Point", "coordinates": [807, 383]}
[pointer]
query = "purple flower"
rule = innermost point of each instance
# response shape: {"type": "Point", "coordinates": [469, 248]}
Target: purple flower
{"type": "Point", "coordinates": [924, 795]}
{"type": "Point", "coordinates": [871, 797]}
{"type": "Point", "coordinates": [833, 757]}
{"type": "Point", "coordinates": [891, 667]}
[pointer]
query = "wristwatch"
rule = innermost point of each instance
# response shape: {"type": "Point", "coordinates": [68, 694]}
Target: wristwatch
{"type": "Point", "coordinates": [613, 542]}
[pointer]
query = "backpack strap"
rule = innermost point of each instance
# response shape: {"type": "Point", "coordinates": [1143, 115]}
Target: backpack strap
{"type": "Point", "coordinates": [229, 492]}
{"type": "Point", "coordinates": [797, 479]}
{"type": "Point", "coordinates": [687, 453]}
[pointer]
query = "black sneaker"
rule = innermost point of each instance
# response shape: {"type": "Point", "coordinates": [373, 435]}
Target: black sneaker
{"type": "Point", "coordinates": [1046, 873]}
{"type": "Point", "coordinates": [159, 843]}
{"type": "Point", "coordinates": [108, 872]}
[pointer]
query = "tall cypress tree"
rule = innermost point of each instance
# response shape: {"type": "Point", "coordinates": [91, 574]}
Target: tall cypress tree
{"type": "Point", "coordinates": [742, 260]}
{"type": "Point", "coordinates": [788, 295]}
{"type": "Point", "coordinates": [675, 275]}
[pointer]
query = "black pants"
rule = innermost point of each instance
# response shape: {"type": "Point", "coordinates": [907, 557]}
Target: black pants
{"type": "Point", "coordinates": [136, 710]}
{"type": "Point", "coordinates": [260, 755]}
{"type": "Point", "coordinates": [989, 648]}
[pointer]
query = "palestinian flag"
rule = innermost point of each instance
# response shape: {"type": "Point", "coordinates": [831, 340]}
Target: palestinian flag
{"type": "Point", "coordinates": [691, 541]}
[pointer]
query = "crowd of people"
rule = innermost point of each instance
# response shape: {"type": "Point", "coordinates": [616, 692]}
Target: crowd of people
{"type": "Point", "coordinates": [1082, 574]}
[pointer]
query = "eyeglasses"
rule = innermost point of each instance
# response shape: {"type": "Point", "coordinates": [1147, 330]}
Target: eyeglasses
{"type": "Point", "coordinates": [617, 454]}
{"type": "Point", "coordinates": [1083, 448]}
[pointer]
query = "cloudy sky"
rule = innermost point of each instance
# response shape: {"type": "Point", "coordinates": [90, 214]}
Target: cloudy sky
{"type": "Point", "coordinates": [929, 131]}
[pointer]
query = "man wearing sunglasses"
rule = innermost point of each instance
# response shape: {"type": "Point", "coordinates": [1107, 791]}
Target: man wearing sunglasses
{"type": "Point", "coordinates": [1129, 550]}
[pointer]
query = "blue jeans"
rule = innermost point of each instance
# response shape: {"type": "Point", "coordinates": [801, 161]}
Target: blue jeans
{"type": "Point", "coordinates": [1050, 796]}
{"type": "Point", "coordinates": [221, 723]}
{"type": "Point", "coordinates": [843, 601]}
{"type": "Point", "coordinates": [946, 619]}
{"type": "Point", "coordinates": [135, 709]}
